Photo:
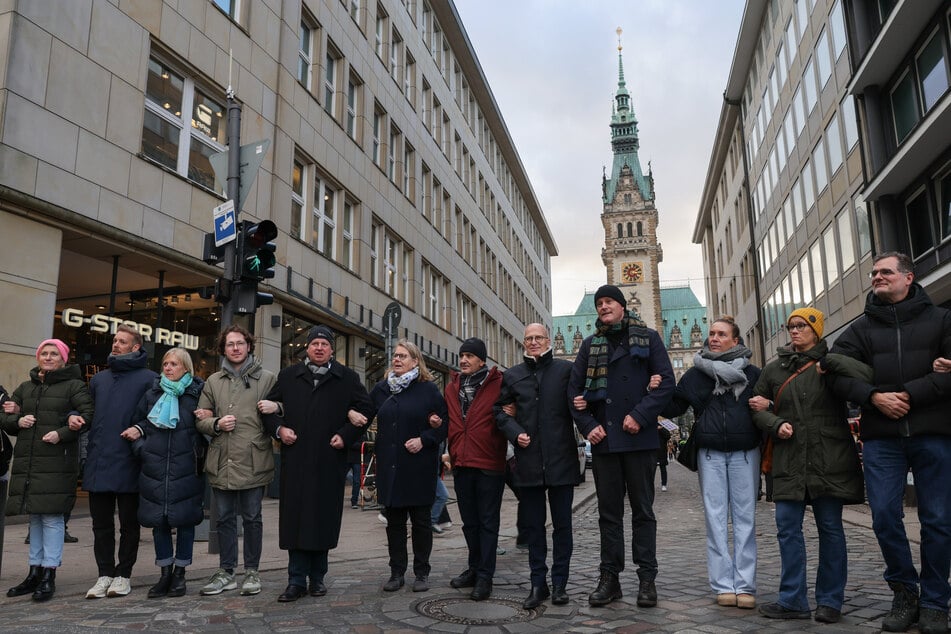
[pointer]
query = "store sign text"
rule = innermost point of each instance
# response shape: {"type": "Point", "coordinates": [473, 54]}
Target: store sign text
{"type": "Point", "coordinates": [74, 318]}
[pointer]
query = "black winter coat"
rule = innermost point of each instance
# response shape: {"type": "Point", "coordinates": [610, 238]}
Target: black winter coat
{"type": "Point", "coordinates": [312, 472]}
{"type": "Point", "coordinates": [44, 475]}
{"type": "Point", "coordinates": [723, 423]}
{"type": "Point", "coordinates": [407, 479]}
{"type": "Point", "coordinates": [900, 341]}
{"type": "Point", "coordinates": [539, 390]}
{"type": "Point", "coordinates": [169, 483]}
{"type": "Point", "coordinates": [111, 466]}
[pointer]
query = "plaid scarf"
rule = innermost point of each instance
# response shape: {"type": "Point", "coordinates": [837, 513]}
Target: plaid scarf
{"type": "Point", "coordinates": [638, 342]}
{"type": "Point", "coordinates": [318, 371]}
{"type": "Point", "coordinates": [468, 384]}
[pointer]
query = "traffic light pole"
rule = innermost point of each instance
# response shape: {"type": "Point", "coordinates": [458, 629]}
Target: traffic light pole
{"type": "Point", "coordinates": [232, 272]}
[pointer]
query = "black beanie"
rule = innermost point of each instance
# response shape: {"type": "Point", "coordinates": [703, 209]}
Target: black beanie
{"type": "Point", "coordinates": [320, 332]}
{"type": "Point", "coordinates": [610, 291]}
{"type": "Point", "coordinates": [475, 346]}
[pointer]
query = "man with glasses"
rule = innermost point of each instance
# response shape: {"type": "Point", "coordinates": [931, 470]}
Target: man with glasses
{"type": "Point", "coordinates": [904, 337]}
{"type": "Point", "coordinates": [536, 416]}
{"type": "Point", "coordinates": [240, 461]}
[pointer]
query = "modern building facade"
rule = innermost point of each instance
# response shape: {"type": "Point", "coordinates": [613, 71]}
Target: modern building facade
{"type": "Point", "coordinates": [900, 79]}
{"type": "Point", "coordinates": [390, 175]}
{"type": "Point", "coordinates": [783, 221]}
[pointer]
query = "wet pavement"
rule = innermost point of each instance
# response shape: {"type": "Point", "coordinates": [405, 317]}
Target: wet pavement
{"type": "Point", "coordinates": [358, 567]}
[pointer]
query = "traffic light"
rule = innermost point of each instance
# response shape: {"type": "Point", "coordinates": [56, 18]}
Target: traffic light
{"type": "Point", "coordinates": [209, 252]}
{"type": "Point", "coordinates": [257, 252]}
{"type": "Point", "coordinates": [247, 299]}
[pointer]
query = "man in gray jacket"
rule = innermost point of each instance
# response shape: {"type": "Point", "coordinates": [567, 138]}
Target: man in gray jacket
{"type": "Point", "coordinates": [240, 461]}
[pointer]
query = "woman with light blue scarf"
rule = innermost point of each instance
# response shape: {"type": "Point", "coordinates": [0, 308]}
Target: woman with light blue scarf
{"type": "Point", "coordinates": [718, 388]}
{"type": "Point", "coordinates": [171, 481]}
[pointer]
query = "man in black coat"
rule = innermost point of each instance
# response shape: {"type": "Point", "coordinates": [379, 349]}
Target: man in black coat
{"type": "Point", "coordinates": [542, 430]}
{"type": "Point", "coordinates": [312, 424]}
{"type": "Point", "coordinates": [610, 381]}
{"type": "Point", "coordinates": [904, 337]}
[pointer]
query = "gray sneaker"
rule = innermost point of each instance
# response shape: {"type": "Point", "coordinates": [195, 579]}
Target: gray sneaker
{"type": "Point", "coordinates": [251, 583]}
{"type": "Point", "coordinates": [219, 582]}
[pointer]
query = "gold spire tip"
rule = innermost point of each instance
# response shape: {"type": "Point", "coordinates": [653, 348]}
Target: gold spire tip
{"type": "Point", "coordinates": [619, 31]}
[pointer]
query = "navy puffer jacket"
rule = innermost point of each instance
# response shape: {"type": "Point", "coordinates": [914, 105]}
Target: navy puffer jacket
{"type": "Point", "coordinates": [169, 484]}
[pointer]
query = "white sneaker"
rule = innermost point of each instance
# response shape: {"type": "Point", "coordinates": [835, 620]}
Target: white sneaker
{"type": "Point", "coordinates": [99, 590]}
{"type": "Point", "coordinates": [219, 582]}
{"type": "Point", "coordinates": [445, 525]}
{"type": "Point", "coordinates": [382, 518]}
{"type": "Point", "coordinates": [119, 587]}
{"type": "Point", "coordinates": [663, 487]}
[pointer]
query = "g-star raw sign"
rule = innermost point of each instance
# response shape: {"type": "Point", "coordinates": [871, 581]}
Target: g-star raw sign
{"type": "Point", "coordinates": [74, 318]}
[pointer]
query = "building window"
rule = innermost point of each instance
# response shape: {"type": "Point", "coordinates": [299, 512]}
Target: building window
{"type": "Point", "coordinates": [391, 262]}
{"type": "Point", "coordinates": [231, 8]}
{"type": "Point", "coordinates": [837, 25]}
{"type": "Point", "coordinates": [379, 123]}
{"type": "Point", "coordinates": [834, 143]}
{"type": "Point", "coordinates": [846, 249]}
{"type": "Point", "coordinates": [932, 71]}
{"type": "Point", "coordinates": [332, 63]}
{"type": "Point", "coordinates": [354, 6]}
{"type": "Point", "coordinates": [809, 86]}
{"type": "Point", "coordinates": [818, 281]}
{"type": "Point", "coordinates": [918, 221]}
{"type": "Point", "coordinates": [305, 54]}
{"type": "Point", "coordinates": [346, 247]}
{"type": "Point", "coordinates": [944, 203]}
{"type": "Point", "coordinates": [391, 153]}
{"type": "Point", "coordinates": [409, 79]}
{"type": "Point", "coordinates": [823, 59]}
{"type": "Point", "coordinates": [297, 200]}
{"type": "Point", "coordinates": [375, 231]}
{"type": "Point", "coordinates": [832, 266]}
{"type": "Point", "coordinates": [905, 110]}
{"type": "Point", "coordinates": [379, 33]}
{"type": "Point", "coordinates": [324, 228]}
{"type": "Point", "coordinates": [354, 88]}
{"type": "Point", "coordinates": [396, 50]}
{"type": "Point", "coordinates": [409, 172]}
{"type": "Point", "coordinates": [183, 125]}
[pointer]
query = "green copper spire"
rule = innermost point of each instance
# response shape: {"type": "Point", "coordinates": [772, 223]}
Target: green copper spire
{"type": "Point", "coordinates": [624, 140]}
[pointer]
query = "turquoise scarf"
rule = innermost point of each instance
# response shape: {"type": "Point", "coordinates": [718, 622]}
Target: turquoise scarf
{"type": "Point", "coordinates": [165, 411]}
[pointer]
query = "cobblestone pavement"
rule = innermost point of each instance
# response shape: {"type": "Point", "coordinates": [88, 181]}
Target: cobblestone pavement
{"type": "Point", "coordinates": [356, 603]}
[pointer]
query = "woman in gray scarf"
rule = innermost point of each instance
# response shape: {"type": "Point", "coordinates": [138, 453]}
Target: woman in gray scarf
{"type": "Point", "coordinates": [718, 388]}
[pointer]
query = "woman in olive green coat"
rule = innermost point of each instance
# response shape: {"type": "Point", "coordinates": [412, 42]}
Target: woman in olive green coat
{"type": "Point", "coordinates": [814, 462]}
{"type": "Point", "coordinates": [44, 414]}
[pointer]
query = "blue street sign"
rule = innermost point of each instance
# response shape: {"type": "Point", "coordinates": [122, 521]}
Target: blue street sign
{"type": "Point", "coordinates": [226, 229]}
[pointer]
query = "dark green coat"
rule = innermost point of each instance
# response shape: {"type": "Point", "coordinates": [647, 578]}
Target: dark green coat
{"type": "Point", "coordinates": [44, 475]}
{"type": "Point", "coordinates": [820, 459]}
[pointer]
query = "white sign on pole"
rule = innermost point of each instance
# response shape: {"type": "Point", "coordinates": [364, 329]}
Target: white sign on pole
{"type": "Point", "coordinates": [226, 229]}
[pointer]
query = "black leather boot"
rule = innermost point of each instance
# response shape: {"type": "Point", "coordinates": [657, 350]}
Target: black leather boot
{"type": "Point", "coordinates": [44, 591]}
{"type": "Point", "coordinates": [608, 590]}
{"type": "Point", "coordinates": [160, 589]}
{"type": "Point", "coordinates": [28, 585]}
{"type": "Point", "coordinates": [177, 587]}
{"type": "Point", "coordinates": [904, 612]}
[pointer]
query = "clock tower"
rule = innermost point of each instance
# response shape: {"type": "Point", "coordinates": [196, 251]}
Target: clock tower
{"type": "Point", "coordinates": [631, 252]}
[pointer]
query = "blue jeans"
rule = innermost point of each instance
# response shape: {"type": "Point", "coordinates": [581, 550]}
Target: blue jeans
{"type": "Point", "coordinates": [887, 461]}
{"type": "Point", "coordinates": [302, 564]}
{"type": "Point", "coordinates": [228, 504]}
{"type": "Point", "coordinates": [46, 539]}
{"type": "Point", "coordinates": [184, 543]}
{"type": "Point", "coordinates": [531, 502]}
{"type": "Point", "coordinates": [441, 496]}
{"type": "Point", "coordinates": [479, 496]}
{"type": "Point", "coordinates": [833, 569]}
{"type": "Point", "coordinates": [355, 477]}
{"type": "Point", "coordinates": [729, 481]}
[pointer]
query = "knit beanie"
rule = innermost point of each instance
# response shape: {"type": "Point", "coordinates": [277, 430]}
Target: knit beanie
{"type": "Point", "coordinates": [320, 332]}
{"type": "Point", "coordinates": [610, 291]}
{"type": "Point", "coordinates": [60, 345]}
{"type": "Point", "coordinates": [474, 346]}
{"type": "Point", "coordinates": [812, 316]}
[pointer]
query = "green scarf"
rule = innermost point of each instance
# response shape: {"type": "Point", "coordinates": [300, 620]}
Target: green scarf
{"type": "Point", "coordinates": [165, 411]}
{"type": "Point", "coordinates": [638, 340]}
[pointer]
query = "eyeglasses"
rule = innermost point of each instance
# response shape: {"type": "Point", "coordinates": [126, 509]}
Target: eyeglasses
{"type": "Point", "coordinates": [534, 338]}
{"type": "Point", "coordinates": [400, 355]}
{"type": "Point", "coordinates": [797, 326]}
{"type": "Point", "coordinates": [882, 272]}
{"type": "Point", "coordinates": [236, 344]}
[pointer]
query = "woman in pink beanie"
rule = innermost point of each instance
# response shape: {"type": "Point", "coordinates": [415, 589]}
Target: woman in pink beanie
{"type": "Point", "coordinates": [45, 459]}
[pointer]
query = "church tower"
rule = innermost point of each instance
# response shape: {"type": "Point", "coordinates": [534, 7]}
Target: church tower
{"type": "Point", "coordinates": [631, 252]}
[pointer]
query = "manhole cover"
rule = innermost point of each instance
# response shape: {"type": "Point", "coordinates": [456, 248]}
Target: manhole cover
{"type": "Point", "coordinates": [464, 611]}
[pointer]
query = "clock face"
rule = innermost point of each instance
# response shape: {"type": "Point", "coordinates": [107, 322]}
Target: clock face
{"type": "Point", "coordinates": [632, 272]}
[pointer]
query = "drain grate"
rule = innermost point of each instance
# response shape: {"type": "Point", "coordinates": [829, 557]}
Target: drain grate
{"type": "Point", "coordinates": [464, 611]}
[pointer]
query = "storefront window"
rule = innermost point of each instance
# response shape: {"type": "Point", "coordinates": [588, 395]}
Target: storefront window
{"type": "Point", "coordinates": [294, 331]}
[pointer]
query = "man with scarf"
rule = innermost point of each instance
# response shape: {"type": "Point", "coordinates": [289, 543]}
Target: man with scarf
{"type": "Point", "coordinates": [718, 387]}
{"type": "Point", "coordinates": [538, 419]}
{"type": "Point", "coordinates": [240, 461]}
{"type": "Point", "coordinates": [477, 454]}
{"type": "Point", "coordinates": [111, 471]}
{"type": "Point", "coordinates": [610, 387]}
{"type": "Point", "coordinates": [902, 335]}
{"type": "Point", "coordinates": [312, 423]}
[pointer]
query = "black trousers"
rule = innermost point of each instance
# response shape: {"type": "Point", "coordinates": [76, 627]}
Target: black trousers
{"type": "Point", "coordinates": [630, 472]}
{"type": "Point", "coordinates": [422, 537]}
{"type": "Point", "coordinates": [102, 509]}
{"type": "Point", "coordinates": [532, 503]}
{"type": "Point", "coordinates": [479, 495]}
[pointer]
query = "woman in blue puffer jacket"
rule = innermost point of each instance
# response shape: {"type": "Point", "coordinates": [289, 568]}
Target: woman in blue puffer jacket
{"type": "Point", "coordinates": [172, 482]}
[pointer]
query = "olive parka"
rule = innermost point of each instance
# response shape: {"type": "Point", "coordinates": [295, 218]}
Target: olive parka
{"type": "Point", "coordinates": [820, 459]}
{"type": "Point", "coordinates": [244, 457]}
{"type": "Point", "coordinates": [43, 480]}
{"type": "Point", "coordinates": [312, 472]}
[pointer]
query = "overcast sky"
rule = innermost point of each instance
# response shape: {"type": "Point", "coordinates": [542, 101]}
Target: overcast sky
{"type": "Point", "coordinates": [552, 65]}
